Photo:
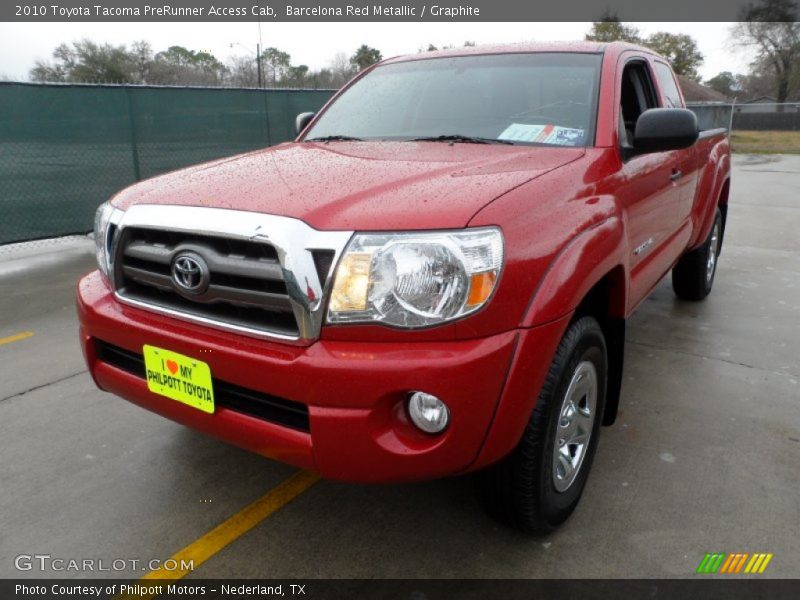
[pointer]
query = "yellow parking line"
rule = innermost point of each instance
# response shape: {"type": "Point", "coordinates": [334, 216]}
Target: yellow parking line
{"type": "Point", "coordinates": [229, 531]}
{"type": "Point", "coordinates": [15, 338]}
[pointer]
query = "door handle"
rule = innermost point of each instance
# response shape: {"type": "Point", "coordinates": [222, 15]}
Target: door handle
{"type": "Point", "coordinates": [676, 174]}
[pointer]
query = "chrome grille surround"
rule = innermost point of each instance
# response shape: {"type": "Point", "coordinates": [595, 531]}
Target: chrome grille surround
{"type": "Point", "coordinates": [294, 242]}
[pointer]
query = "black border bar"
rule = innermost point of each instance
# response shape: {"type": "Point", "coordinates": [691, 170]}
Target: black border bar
{"type": "Point", "coordinates": [370, 11]}
{"type": "Point", "coordinates": [700, 586]}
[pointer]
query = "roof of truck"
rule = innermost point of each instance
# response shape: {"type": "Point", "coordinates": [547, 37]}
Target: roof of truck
{"type": "Point", "coordinates": [524, 47]}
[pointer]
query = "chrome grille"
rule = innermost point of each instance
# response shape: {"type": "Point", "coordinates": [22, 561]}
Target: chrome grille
{"type": "Point", "coordinates": [264, 275]}
{"type": "Point", "coordinates": [246, 286]}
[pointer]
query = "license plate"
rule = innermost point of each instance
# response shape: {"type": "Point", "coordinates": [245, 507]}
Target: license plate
{"type": "Point", "coordinates": [179, 377]}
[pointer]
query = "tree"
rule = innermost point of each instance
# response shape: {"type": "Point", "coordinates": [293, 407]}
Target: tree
{"type": "Point", "coordinates": [433, 48]}
{"type": "Point", "coordinates": [55, 72]}
{"type": "Point", "coordinates": [726, 83]}
{"type": "Point", "coordinates": [141, 61]}
{"type": "Point", "coordinates": [86, 62]}
{"type": "Point", "coordinates": [89, 62]}
{"type": "Point", "coordinates": [296, 76]}
{"type": "Point", "coordinates": [365, 57]}
{"type": "Point", "coordinates": [321, 79]}
{"type": "Point", "coordinates": [342, 70]}
{"type": "Point", "coordinates": [242, 71]}
{"type": "Point", "coordinates": [610, 29]}
{"type": "Point", "coordinates": [771, 27]}
{"type": "Point", "coordinates": [756, 84]}
{"type": "Point", "coordinates": [276, 64]}
{"type": "Point", "coordinates": [680, 49]}
{"type": "Point", "coordinates": [180, 66]}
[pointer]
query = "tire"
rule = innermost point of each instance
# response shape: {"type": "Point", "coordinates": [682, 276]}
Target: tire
{"type": "Point", "coordinates": [693, 276]}
{"type": "Point", "coordinates": [526, 490]}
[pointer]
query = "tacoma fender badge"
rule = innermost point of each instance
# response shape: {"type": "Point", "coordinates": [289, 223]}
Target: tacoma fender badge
{"type": "Point", "coordinates": [643, 247]}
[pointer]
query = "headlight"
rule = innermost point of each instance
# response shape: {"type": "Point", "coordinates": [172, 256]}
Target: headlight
{"type": "Point", "coordinates": [105, 221]}
{"type": "Point", "coordinates": [416, 279]}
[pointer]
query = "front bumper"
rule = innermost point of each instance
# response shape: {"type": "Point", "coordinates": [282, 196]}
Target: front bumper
{"type": "Point", "coordinates": [355, 392]}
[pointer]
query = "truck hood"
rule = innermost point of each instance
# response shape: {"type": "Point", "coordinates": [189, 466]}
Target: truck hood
{"type": "Point", "coordinates": [357, 185]}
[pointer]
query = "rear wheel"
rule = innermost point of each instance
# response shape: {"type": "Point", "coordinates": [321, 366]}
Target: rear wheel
{"type": "Point", "coordinates": [539, 484]}
{"type": "Point", "coordinates": [693, 276]}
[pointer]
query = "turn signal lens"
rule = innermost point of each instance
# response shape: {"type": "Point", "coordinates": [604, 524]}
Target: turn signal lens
{"type": "Point", "coordinates": [352, 283]}
{"type": "Point", "coordinates": [480, 288]}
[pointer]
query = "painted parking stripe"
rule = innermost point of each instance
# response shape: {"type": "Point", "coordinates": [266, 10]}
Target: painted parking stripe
{"type": "Point", "coordinates": [16, 337]}
{"type": "Point", "coordinates": [229, 531]}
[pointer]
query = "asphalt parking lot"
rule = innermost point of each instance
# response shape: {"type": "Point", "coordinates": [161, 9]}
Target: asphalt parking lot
{"type": "Point", "coordinates": [705, 456]}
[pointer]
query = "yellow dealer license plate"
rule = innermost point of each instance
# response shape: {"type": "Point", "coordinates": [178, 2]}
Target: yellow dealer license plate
{"type": "Point", "coordinates": [179, 377]}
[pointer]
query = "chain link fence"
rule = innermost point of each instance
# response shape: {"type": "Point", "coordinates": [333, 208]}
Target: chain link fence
{"type": "Point", "coordinates": [64, 149]}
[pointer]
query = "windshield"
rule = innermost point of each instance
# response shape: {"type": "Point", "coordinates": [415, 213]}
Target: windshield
{"type": "Point", "coordinates": [536, 99]}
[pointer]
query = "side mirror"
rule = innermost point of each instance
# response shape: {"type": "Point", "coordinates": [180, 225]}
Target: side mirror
{"type": "Point", "coordinates": [302, 120]}
{"type": "Point", "coordinates": [664, 129]}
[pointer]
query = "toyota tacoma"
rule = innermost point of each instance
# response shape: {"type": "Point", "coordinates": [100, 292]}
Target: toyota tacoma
{"type": "Point", "coordinates": [432, 279]}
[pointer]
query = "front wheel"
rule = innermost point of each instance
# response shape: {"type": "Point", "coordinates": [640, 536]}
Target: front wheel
{"type": "Point", "coordinates": [693, 276]}
{"type": "Point", "coordinates": [539, 484]}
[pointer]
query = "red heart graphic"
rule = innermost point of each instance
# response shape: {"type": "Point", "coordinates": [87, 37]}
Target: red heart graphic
{"type": "Point", "coordinates": [172, 366]}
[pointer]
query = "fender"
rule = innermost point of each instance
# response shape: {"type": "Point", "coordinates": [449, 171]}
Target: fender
{"type": "Point", "coordinates": [576, 269]}
{"type": "Point", "coordinates": [711, 206]}
{"type": "Point", "coordinates": [705, 206]}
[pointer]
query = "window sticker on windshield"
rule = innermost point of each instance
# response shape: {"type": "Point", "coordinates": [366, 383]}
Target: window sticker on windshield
{"type": "Point", "coordinates": [543, 134]}
{"type": "Point", "coordinates": [565, 136]}
{"type": "Point", "coordinates": [521, 132]}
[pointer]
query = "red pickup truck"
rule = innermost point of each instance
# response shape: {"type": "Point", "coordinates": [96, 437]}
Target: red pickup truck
{"type": "Point", "coordinates": [432, 279]}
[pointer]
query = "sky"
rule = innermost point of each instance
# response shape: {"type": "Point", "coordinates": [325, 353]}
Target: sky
{"type": "Point", "coordinates": [313, 44]}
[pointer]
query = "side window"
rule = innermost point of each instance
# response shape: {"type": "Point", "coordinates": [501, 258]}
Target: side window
{"type": "Point", "coordinates": [638, 94]}
{"type": "Point", "coordinates": [669, 88]}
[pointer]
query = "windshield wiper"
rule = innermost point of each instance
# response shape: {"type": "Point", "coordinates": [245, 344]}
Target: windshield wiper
{"type": "Point", "coordinates": [466, 139]}
{"type": "Point", "coordinates": [334, 138]}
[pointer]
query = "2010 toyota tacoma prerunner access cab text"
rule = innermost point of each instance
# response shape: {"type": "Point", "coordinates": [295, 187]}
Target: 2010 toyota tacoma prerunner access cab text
{"type": "Point", "coordinates": [432, 279]}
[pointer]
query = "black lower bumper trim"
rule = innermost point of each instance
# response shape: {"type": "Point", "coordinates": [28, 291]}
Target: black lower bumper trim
{"type": "Point", "coordinates": [287, 413]}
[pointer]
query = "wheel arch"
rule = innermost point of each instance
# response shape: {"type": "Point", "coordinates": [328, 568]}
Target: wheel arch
{"type": "Point", "coordinates": [594, 257]}
{"type": "Point", "coordinates": [722, 203]}
{"type": "Point", "coordinates": [605, 301]}
{"type": "Point", "coordinates": [588, 276]}
{"type": "Point", "coordinates": [580, 283]}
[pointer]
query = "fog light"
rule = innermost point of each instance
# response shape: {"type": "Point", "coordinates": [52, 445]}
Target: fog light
{"type": "Point", "coordinates": [428, 412]}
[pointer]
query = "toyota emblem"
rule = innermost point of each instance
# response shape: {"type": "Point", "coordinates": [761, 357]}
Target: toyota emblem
{"type": "Point", "coordinates": [190, 273]}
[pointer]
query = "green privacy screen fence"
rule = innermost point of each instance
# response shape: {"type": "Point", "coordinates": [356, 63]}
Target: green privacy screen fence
{"type": "Point", "coordinates": [64, 149]}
